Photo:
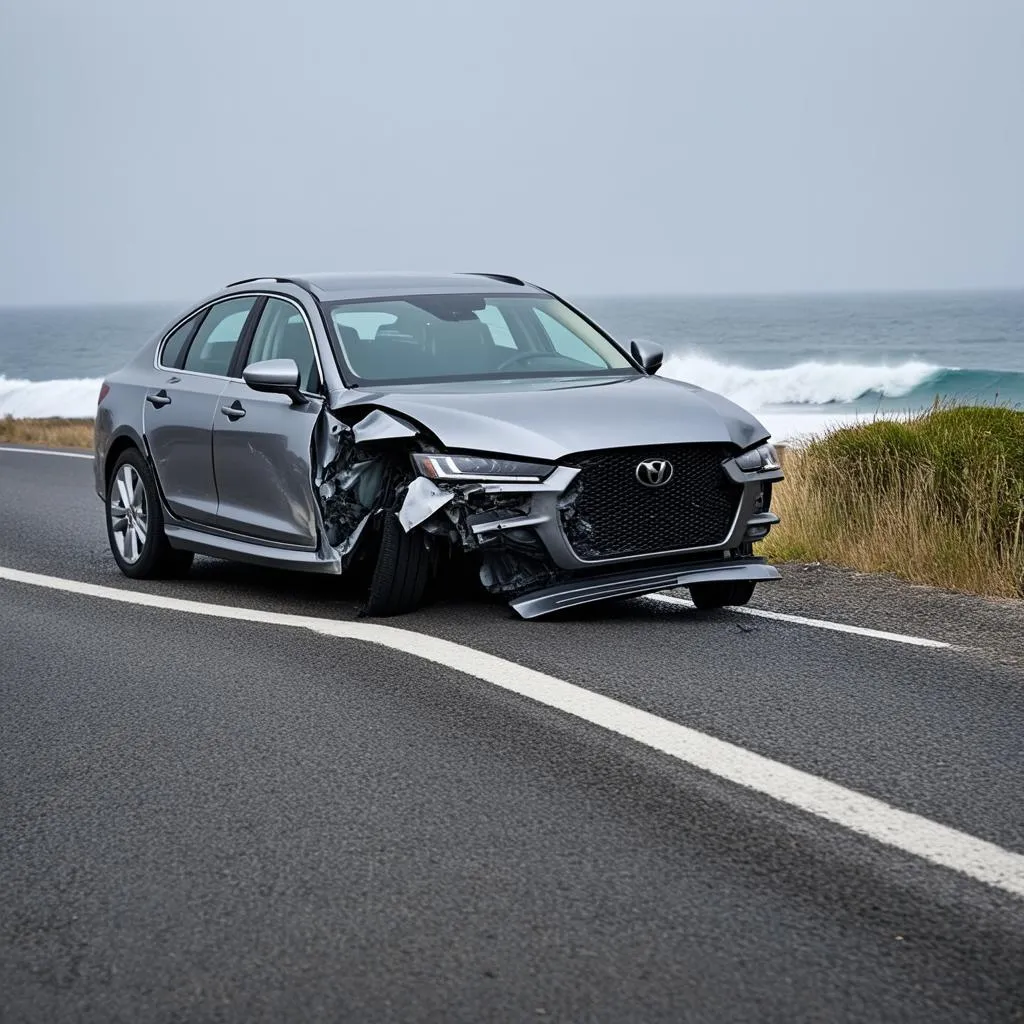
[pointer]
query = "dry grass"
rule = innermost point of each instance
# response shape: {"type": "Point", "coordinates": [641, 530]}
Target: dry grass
{"type": "Point", "coordinates": [937, 499]}
{"type": "Point", "coordinates": [53, 432]}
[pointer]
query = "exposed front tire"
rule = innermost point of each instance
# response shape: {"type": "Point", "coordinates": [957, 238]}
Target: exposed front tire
{"type": "Point", "coordinates": [721, 595]}
{"type": "Point", "coordinates": [402, 572]}
{"type": "Point", "coordinates": [135, 523]}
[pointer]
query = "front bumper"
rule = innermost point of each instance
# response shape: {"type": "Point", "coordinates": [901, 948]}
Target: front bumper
{"type": "Point", "coordinates": [639, 581]}
{"type": "Point", "coordinates": [519, 530]}
{"type": "Point", "coordinates": [542, 516]}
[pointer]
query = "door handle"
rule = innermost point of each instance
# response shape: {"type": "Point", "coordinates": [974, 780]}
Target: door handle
{"type": "Point", "coordinates": [159, 400]}
{"type": "Point", "coordinates": [234, 411]}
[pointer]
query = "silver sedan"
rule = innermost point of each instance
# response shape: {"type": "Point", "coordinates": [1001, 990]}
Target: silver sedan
{"type": "Point", "coordinates": [400, 424]}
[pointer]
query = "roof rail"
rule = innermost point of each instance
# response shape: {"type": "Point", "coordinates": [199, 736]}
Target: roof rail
{"type": "Point", "coordinates": [506, 278]}
{"type": "Point", "coordinates": [270, 277]}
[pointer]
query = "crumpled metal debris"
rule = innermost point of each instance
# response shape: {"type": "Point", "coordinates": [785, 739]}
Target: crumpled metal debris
{"type": "Point", "coordinates": [364, 470]}
{"type": "Point", "coordinates": [378, 425]}
{"type": "Point", "coordinates": [422, 499]}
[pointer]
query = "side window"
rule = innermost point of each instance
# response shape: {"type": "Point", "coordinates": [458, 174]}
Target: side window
{"type": "Point", "coordinates": [282, 334]}
{"type": "Point", "coordinates": [214, 344]}
{"type": "Point", "coordinates": [565, 343]}
{"type": "Point", "coordinates": [173, 354]}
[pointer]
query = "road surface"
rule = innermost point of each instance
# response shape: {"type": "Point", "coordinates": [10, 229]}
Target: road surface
{"type": "Point", "coordinates": [228, 798]}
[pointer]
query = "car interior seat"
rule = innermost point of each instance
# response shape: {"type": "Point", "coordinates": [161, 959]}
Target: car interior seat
{"type": "Point", "coordinates": [463, 346]}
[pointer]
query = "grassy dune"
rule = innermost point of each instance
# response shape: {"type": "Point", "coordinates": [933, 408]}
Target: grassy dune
{"type": "Point", "coordinates": [936, 498]}
{"type": "Point", "coordinates": [55, 432]}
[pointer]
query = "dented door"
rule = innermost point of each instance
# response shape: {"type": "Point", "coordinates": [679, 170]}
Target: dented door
{"type": "Point", "coordinates": [262, 462]}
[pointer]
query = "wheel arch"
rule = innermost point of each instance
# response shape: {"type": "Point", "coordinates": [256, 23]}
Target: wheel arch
{"type": "Point", "coordinates": [119, 444]}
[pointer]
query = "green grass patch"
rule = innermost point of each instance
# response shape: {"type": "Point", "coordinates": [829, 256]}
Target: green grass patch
{"type": "Point", "coordinates": [936, 498]}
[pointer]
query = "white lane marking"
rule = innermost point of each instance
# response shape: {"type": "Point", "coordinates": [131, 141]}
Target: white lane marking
{"type": "Point", "coordinates": [45, 451]}
{"type": "Point", "coordinates": [939, 844]}
{"type": "Point", "coordinates": [799, 620]}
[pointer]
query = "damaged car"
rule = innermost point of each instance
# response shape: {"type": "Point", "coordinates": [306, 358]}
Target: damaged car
{"type": "Point", "coordinates": [401, 427]}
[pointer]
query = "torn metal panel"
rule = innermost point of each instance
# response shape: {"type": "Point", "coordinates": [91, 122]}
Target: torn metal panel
{"type": "Point", "coordinates": [379, 426]}
{"type": "Point", "coordinates": [361, 475]}
{"type": "Point", "coordinates": [351, 484]}
{"type": "Point", "coordinates": [578, 531]}
{"type": "Point", "coordinates": [422, 499]}
{"type": "Point", "coordinates": [348, 546]}
{"type": "Point", "coordinates": [327, 441]}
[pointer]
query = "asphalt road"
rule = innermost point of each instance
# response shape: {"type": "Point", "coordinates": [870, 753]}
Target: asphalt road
{"type": "Point", "coordinates": [213, 819]}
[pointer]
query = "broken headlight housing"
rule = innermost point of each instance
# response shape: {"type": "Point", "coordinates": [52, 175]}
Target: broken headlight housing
{"type": "Point", "coordinates": [759, 460]}
{"type": "Point", "coordinates": [479, 467]}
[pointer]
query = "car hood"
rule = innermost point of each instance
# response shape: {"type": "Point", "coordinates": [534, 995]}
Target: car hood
{"type": "Point", "coordinates": [550, 418]}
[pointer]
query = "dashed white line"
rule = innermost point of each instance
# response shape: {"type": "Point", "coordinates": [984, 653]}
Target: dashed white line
{"type": "Point", "coordinates": [799, 620]}
{"type": "Point", "coordinates": [46, 451]}
{"type": "Point", "coordinates": [929, 840]}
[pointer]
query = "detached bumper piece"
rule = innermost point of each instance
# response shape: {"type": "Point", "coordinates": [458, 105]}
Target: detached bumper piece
{"type": "Point", "coordinates": [639, 581]}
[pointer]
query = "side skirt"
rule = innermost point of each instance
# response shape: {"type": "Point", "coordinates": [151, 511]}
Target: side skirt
{"type": "Point", "coordinates": [325, 560]}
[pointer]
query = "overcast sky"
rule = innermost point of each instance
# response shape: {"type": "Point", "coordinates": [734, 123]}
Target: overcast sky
{"type": "Point", "coordinates": [158, 150]}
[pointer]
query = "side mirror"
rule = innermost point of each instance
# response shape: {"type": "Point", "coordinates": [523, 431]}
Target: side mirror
{"type": "Point", "coordinates": [648, 355]}
{"type": "Point", "coordinates": [278, 376]}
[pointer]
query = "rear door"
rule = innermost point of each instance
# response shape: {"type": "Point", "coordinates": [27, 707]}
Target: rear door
{"type": "Point", "coordinates": [179, 410]}
{"type": "Point", "coordinates": [262, 443]}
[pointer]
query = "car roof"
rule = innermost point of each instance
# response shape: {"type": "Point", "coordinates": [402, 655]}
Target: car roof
{"type": "Point", "coordinates": [327, 286]}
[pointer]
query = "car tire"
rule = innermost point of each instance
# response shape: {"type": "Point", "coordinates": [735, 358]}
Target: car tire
{"type": "Point", "coordinates": [721, 595]}
{"type": "Point", "coordinates": [402, 572]}
{"type": "Point", "coordinates": [135, 527]}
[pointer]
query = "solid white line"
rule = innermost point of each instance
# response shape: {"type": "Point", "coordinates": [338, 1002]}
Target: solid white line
{"type": "Point", "coordinates": [799, 620]}
{"type": "Point", "coordinates": [939, 844]}
{"type": "Point", "coordinates": [45, 451]}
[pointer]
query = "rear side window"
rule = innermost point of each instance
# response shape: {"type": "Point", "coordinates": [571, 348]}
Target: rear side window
{"type": "Point", "coordinates": [213, 346]}
{"type": "Point", "coordinates": [173, 355]}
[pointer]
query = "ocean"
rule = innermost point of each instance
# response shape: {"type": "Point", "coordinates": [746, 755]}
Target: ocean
{"type": "Point", "coordinates": [798, 362]}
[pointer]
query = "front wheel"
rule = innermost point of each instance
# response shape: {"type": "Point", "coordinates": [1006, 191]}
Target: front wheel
{"type": "Point", "coordinates": [402, 572]}
{"type": "Point", "coordinates": [721, 595]}
{"type": "Point", "coordinates": [135, 523]}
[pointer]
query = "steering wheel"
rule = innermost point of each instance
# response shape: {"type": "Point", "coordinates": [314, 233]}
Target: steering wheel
{"type": "Point", "coordinates": [522, 357]}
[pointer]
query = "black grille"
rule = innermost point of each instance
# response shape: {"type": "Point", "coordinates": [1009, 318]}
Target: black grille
{"type": "Point", "coordinates": [608, 513]}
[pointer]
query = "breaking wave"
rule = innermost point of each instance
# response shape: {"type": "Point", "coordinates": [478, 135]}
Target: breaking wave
{"type": "Point", "coordinates": [804, 384]}
{"type": "Point", "coordinates": [814, 383]}
{"type": "Point", "coordinates": [24, 399]}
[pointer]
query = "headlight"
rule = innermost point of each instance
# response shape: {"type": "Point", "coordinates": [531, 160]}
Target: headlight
{"type": "Point", "coordinates": [479, 467]}
{"type": "Point", "coordinates": [759, 460]}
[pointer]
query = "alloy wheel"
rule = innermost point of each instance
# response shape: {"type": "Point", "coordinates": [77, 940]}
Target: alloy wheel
{"type": "Point", "coordinates": [129, 517]}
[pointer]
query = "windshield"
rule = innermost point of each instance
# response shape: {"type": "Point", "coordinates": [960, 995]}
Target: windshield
{"type": "Point", "coordinates": [454, 337]}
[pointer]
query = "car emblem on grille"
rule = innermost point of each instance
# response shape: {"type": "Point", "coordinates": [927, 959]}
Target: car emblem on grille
{"type": "Point", "coordinates": [654, 472]}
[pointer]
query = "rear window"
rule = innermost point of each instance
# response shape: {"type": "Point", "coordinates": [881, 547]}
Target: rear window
{"type": "Point", "coordinates": [173, 355]}
{"type": "Point", "coordinates": [213, 347]}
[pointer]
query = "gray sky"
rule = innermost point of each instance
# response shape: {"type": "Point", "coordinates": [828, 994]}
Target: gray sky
{"type": "Point", "coordinates": [158, 150]}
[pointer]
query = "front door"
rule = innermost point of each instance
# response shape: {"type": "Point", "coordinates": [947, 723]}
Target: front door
{"type": "Point", "coordinates": [181, 405]}
{"type": "Point", "coordinates": [262, 443]}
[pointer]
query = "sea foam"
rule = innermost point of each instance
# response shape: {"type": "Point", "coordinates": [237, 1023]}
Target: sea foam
{"type": "Point", "coordinates": [809, 383]}
{"type": "Point", "coordinates": [73, 398]}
